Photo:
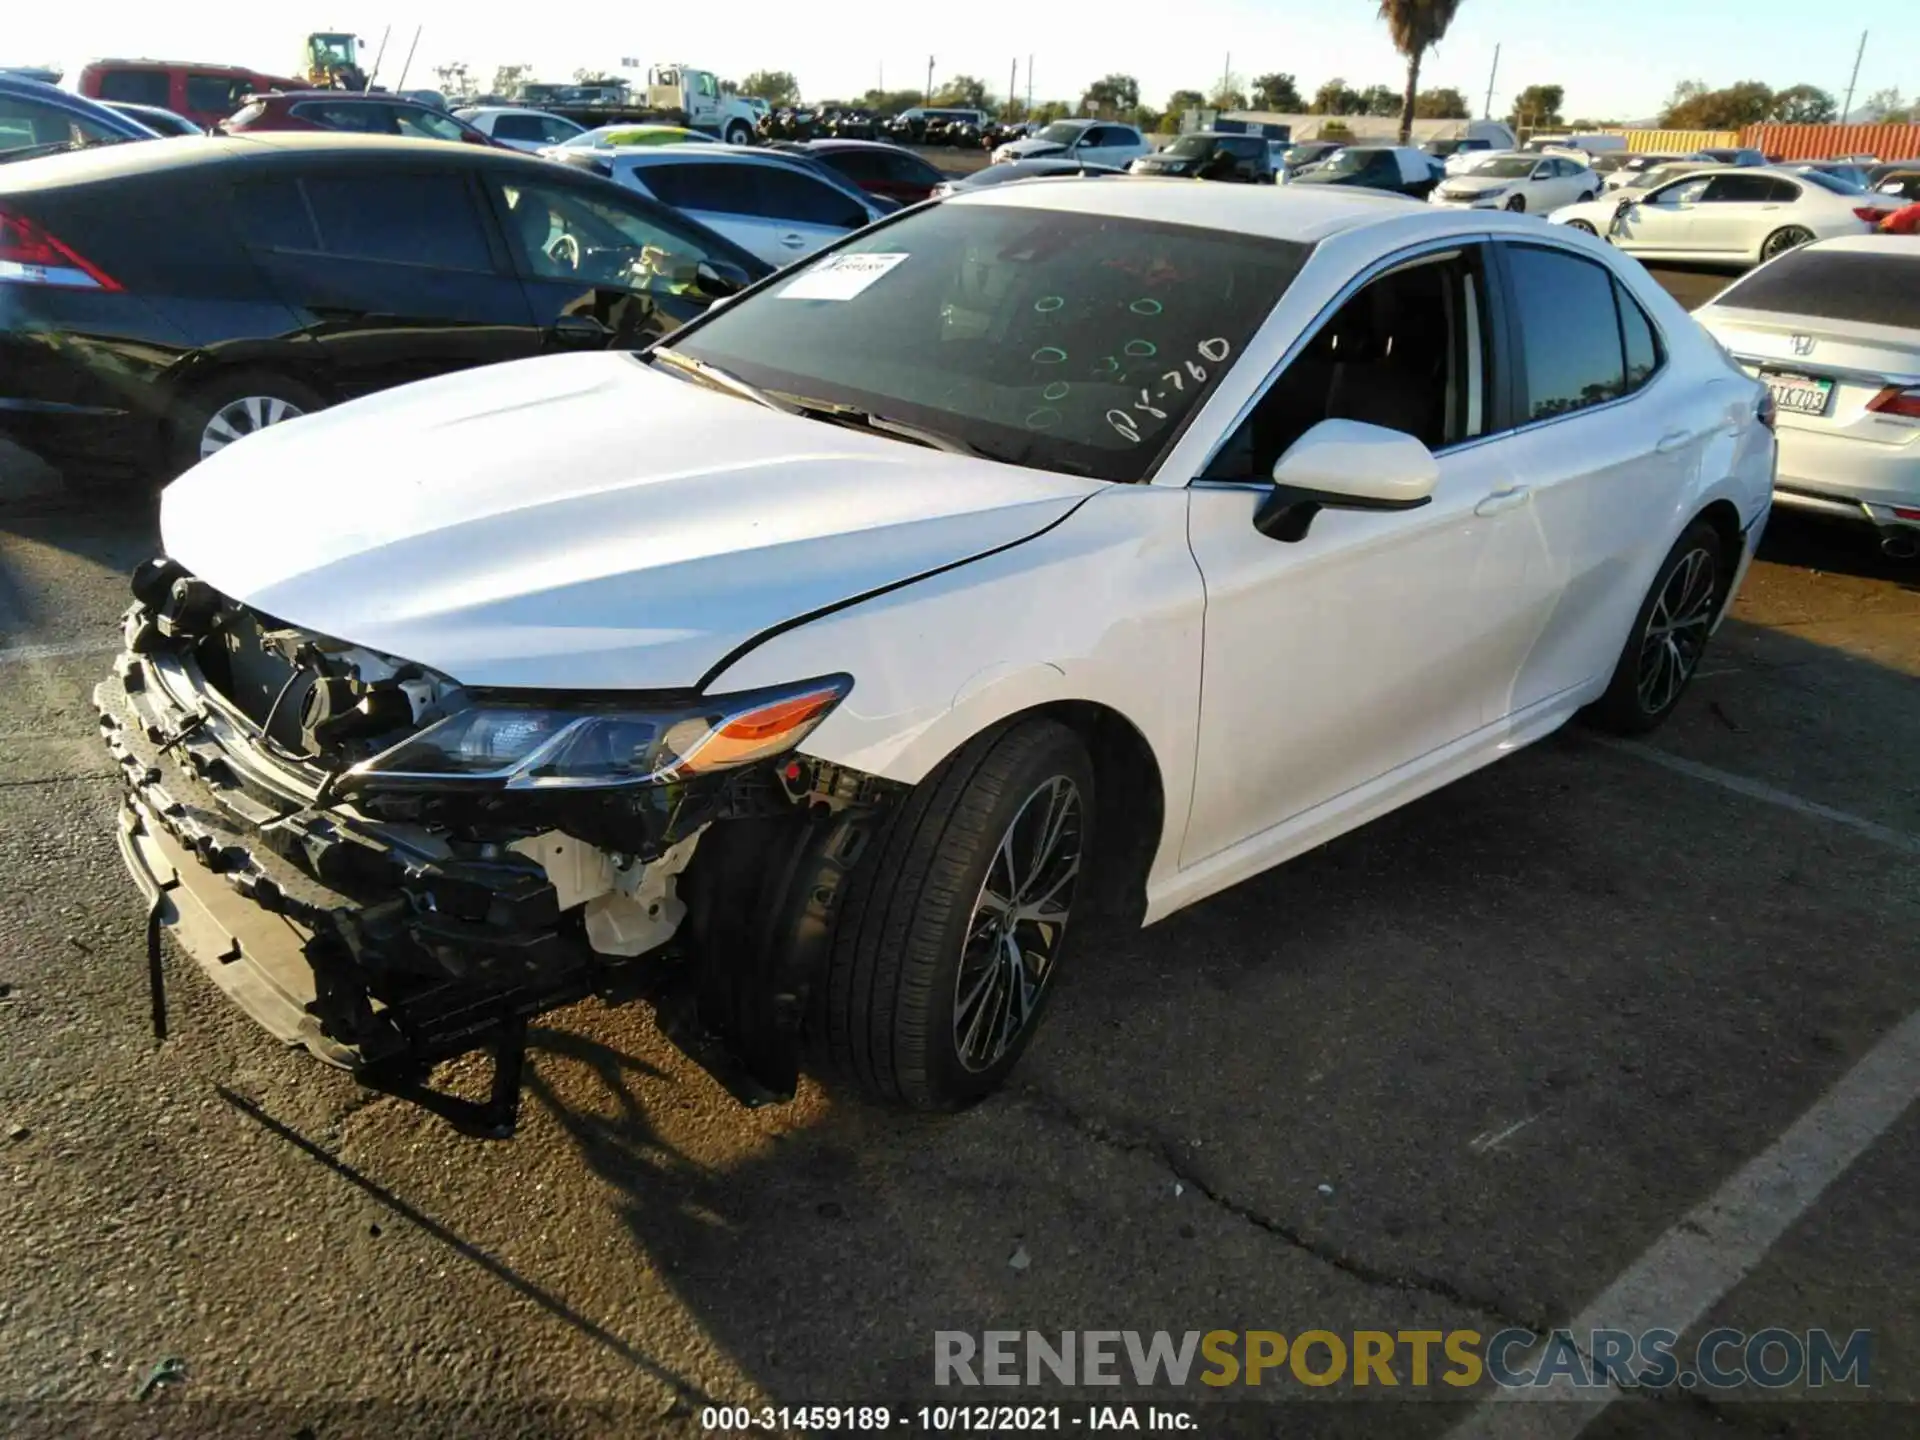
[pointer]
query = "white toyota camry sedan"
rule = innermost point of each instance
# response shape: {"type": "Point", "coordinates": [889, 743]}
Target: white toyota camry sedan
{"type": "Point", "coordinates": [1064, 548]}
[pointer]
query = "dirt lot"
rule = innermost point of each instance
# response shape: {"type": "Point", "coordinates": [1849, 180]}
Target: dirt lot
{"type": "Point", "coordinates": [1536, 1036]}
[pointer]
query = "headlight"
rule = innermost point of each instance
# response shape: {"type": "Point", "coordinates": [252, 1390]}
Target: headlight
{"type": "Point", "coordinates": [1489, 192]}
{"type": "Point", "coordinates": [592, 746]}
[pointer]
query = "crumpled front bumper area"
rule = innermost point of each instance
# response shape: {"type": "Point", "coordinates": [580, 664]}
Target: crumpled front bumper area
{"type": "Point", "coordinates": [368, 944]}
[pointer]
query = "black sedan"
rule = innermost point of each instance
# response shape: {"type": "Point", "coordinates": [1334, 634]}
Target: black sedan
{"type": "Point", "coordinates": [278, 274]}
{"type": "Point", "coordinates": [1398, 169]}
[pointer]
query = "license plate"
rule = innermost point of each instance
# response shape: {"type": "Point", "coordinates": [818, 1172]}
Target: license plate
{"type": "Point", "coordinates": [1802, 394]}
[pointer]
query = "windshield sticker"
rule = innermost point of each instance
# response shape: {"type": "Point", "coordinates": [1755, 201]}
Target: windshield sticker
{"type": "Point", "coordinates": [839, 277]}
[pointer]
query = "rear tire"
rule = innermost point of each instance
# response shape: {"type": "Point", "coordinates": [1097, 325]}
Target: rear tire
{"type": "Point", "coordinates": [1582, 226]}
{"type": "Point", "coordinates": [229, 407]}
{"type": "Point", "coordinates": [1668, 637]}
{"type": "Point", "coordinates": [1790, 237]}
{"type": "Point", "coordinates": [943, 956]}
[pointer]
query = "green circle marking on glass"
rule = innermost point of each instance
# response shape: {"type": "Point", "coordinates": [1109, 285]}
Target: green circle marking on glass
{"type": "Point", "coordinates": [1045, 418]}
{"type": "Point", "coordinates": [1047, 304]}
{"type": "Point", "coordinates": [1140, 349]}
{"type": "Point", "coordinates": [1049, 355]}
{"type": "Point", "coordinates": [1106, 365]}
{"type": "Point", "coordinates": [1146, 306]}
{"type": "Point", "coordinates": [1056, 391]}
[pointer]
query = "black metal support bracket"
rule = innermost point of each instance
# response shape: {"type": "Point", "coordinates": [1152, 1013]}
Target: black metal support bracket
{"type": "Point", "coordinates": [495, 1118]}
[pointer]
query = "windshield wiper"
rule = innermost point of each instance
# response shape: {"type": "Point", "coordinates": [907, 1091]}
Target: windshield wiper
{"type": "Point", "coordinates": [832, 412]}
{"type": "Point", "coordinates": [854, 418]}
{"type": "Point", "coordinates": [718, 378]}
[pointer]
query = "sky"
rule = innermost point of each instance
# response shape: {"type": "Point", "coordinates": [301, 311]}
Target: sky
{"type": "Point", "coordinates": [1617, 59]}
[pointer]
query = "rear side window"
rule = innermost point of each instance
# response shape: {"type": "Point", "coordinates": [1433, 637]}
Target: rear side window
{"type": "Point", "coordinates": [137, 87]}
{"type": "Point", "coordinates": [861, 165]}
{"type": "Point", "coordinates": [789, 195]}
{"type": "Point", "coordinates": [1834, 285]}
{"type": "Point", "coordinates": [519, 127]}
{"type": "Point", "coordinates": [215, 94]}
{"type": "Point", "coordinates": [359, 119]}
{"type": "Point", "coordinates": [1733, 189]}
{"type": "Point", "coordinates": [1569, 331]}
{"type": "Point", "coordinates": [273, 215]}
{"type": "Point", "coordinates": [1638, 336]}
{"type": "Point", "coordinates": [723, 189]}
{"type": "Point", "coordinates": [409, 219]}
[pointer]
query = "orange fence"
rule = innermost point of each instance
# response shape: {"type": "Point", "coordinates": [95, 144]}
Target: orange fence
{"type": "Point", "coordinates": [1821, 142]}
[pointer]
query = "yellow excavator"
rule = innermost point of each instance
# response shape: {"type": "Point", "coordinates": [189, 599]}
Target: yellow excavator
{"type": "Point", "coordinates": [333, 62]}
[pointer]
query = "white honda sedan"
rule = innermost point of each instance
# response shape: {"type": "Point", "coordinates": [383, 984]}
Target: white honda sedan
{"type": "Point", "coordinates": [1833, 329]}
{"type": "Point", "coordinates": [1736, 214]}
{"type": "Point", "coordinates": [1067, 546]}
{"type": "Point", "coordinates": [1533, 184]}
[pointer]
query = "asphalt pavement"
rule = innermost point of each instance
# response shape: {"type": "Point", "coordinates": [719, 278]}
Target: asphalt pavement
{"type": "Point", "coordinates": [1600, 1021]}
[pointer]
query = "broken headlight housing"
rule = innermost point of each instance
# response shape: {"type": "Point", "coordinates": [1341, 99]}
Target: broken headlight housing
{"type": "Point", "coordinates": [593, 745]}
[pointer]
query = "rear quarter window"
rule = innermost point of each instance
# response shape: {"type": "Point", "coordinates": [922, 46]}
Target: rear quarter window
{"type": "Point", "coordinates": [1852, 285]}
{"type": "Point", "coordinates": [214, 94]}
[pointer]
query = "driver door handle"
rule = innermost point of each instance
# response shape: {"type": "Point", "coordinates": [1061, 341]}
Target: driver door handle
{"type": "Point", "coordinates": [581, 330]}
{"type": "Point", "coordinates": [1499, 500]}
{"type": "Point", "coordinates": [793, 239]}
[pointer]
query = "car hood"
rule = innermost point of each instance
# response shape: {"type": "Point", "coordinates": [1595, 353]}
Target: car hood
{"type": "Point", "coordinates": [1031, 149]}
{"type": "Point", "coordinates": [581, 522]}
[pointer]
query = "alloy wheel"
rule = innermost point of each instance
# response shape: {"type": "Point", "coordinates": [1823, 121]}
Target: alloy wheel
{"type": "Point", "coordinates": [1676, 630]}
{"type": "Point", "coordinates": [1781, 241]}
{"type": "Point", "coordinates": [1018, 922]}
{"type": "Point", "coordinates": [239, 418]}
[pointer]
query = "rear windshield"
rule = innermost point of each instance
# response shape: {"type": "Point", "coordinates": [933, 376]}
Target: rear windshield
{"type": "Point", "coordinates": [987, 327]}
{"type": "Point", "coordinates": [1835, 285]}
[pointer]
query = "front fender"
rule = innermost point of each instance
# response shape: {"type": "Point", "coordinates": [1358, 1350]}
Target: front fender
{"type": "Point", "coordinates": [1106, 607]}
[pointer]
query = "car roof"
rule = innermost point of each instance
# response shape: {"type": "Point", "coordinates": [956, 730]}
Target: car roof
{"type": "Point", "coordinates": [708, 153]}
{"type": "Point", "coordinates": [838, 144]}
{"type": "Point", "coordinates": [1306, 215]}
{"type": "Point", "coordinates": [80, 105]}
{"type": "Point", "coordinates": [1907, 247]}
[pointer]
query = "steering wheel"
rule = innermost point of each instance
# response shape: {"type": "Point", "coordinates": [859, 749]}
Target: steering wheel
{"type": "Point", "coordinates": [565, 250]}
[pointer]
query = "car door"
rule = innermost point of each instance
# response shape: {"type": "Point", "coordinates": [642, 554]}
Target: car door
{"type": "Point", "coordinates": [394, 271]}
{"type": "Point", "coordinates": [1375, 639]}
{"type": "Point", "coordinates": [1737, 212]}
{"type": "Point", "coordinates": [1602, 449]}
{"type": "Point", "coordinates": [1662, 220]}
{"type": "Point", "coordinates": [604, 269]}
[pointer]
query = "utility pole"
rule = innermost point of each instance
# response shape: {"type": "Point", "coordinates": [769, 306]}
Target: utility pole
{"type": "Point", "coordinates": [1029, 87]}
{"type": "Point", "coordinates": [1854, 78]}
{"type": "Point", "coordinates": [929, 79]}
{"type": "Point", "coordinates": [1486, 111]}
{"type": "Point", "coordinates": [1226, 77]}
{"type": "Point", "coordinates": [1013, 84]}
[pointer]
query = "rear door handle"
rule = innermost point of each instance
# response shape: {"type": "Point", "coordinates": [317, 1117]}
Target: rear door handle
{"type": "Point", "coordinates": [1504, 500]}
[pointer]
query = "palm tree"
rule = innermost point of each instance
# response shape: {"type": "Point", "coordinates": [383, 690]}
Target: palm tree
{"type": "Point", "coordinates": [1416, 26]}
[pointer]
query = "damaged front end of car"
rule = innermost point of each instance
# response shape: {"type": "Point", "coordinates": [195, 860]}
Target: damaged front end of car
{"type": "Point", "coordinates": [390, 869]}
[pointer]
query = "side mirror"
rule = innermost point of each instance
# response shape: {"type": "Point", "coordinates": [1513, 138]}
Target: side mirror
{"type": "Point", "coordinates": [1345, 465]}
{"type": "Point", "coordinates": [717, 279]}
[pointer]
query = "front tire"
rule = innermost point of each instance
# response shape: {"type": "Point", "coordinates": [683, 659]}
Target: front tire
{"type": "Point", "coordinates": [1517, 204]}
{"type": "Point", "coordinates": [1669, 635]}
{"type": "Point", "coordinates": [944, 954]}
{"type": "Point", "coordinates": [739, 133]}
{"type": "Point", "coordinates": [1582, 226]}
{"type": "Point", "coordinates": [230, 407]}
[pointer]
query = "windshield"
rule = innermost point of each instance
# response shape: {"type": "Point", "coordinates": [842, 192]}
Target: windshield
{"type": "Point", "coordinates": [1063, 133]}
{"type": "Point", "coordinates": [1514, 167]}
{"type": "Point", "coordinates": [1191, 147]}
{"type": "Point", "coordinates": [1349, 162]}
{"type": "Point", "coordinates": [1838, 184]}
{"type": "Point", "coordinates": [993, 328]}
